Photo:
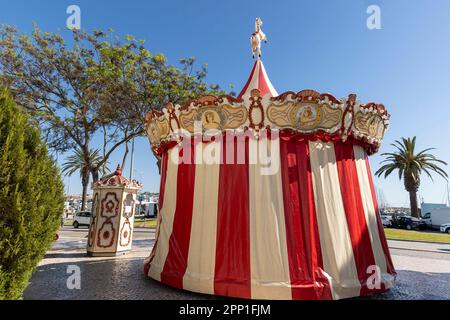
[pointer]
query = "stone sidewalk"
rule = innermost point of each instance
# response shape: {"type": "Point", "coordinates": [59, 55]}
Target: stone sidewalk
{"type": "Point", "coordinates": [420, 246]}
{"type": "Point", "coordinates": [120, 277]}
{"type": "Point", "coordinates": [421, 275]}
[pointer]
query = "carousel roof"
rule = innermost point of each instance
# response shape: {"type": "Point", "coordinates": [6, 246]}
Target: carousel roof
{"type": "Point", "coordinates": [117, 180]}
{"type": "Point", "coordinates": [259, 107]}
{"type": "Point", "coordinates": [258, 80]}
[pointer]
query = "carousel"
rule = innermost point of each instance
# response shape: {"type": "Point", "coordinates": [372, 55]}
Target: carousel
{"type": "Point", "coordinates": [269, 196]}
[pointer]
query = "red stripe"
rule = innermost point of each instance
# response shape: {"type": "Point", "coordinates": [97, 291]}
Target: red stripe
{"type": "Point", "coordinates": [303, 242]}
{"type": "Point", "coordinates": [232, 268]}
{"type": "Point", "coordinates": [162, 187]}
{"type": "Point", "coordinates": [262, 82]}
{"type": "Point", "coordinates": [248, 81]}
{"type": "Point", "coordinates": [176, 261]}
{"type": "Point", "coordinates": [354, 211]}
{"type": "Point", "coordinates": [389, 265]}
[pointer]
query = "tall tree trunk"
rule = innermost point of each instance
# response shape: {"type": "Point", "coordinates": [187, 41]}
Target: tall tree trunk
{"type": "Point", "coordinates": [85, 171]}
{"type": "Point", "coordinates": [105, 142]}
{"type": "Point", "coordinates": [132, 160]}
{"type": "Point", "coordinates": [124, 159]}
{"type": "Point", "coordinates": [413, 203]}
{"type": "Point", "coordinates": [94, 173]}
{"type": "Point", "coordinates": [85, 183]}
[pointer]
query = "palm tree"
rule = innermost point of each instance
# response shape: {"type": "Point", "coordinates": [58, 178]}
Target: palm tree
{"type": "Point", "coordinates": [410, 165]}
{"type": "Point", "coordinates": [85, 163]}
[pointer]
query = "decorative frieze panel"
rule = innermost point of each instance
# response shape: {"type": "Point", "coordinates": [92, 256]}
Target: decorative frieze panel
{"type": "Point", "coordinates": [305, 117]}
{"type": "Point", "coordinates": [370, 123]}
{"type": "Point", "coordinates": [306, 112]}
{"type": "Point", "coordinates": [214, 118]}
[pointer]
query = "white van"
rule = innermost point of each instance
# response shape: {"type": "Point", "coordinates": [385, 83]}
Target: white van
{"type": "Point", "coordinates": [437, 217]}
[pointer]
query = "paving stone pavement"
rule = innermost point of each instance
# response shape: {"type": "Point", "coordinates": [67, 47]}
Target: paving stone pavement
{"type": "Point", "coordinates": [421, 275]}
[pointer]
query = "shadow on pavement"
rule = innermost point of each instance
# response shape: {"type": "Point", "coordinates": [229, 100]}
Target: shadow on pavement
{"type": "Point", "coordinates": [124, 279]}
{"type": "Point", "coordinates": [65, 254]}
{"type": "Point", "coordinates": [102, 279]}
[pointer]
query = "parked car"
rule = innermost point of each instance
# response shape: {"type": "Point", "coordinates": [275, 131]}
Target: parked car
{"type": "Point", "coordinates": [445, 228]}
{"type": "Point", "coordinates": [408, 222]}
{"type": "Point", "coordinates": [82, 218]}
{"type": "Point", "coordinates": [387, 223]}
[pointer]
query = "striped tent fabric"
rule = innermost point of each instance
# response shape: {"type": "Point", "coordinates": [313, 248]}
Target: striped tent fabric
{"type": "Point", "coordinates": [258, 80]}
{"type": "Point", "coordinates": [308, 230]}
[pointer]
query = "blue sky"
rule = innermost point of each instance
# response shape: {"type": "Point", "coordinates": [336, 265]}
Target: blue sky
{"type": "Point", "coordinates": [322, 45]}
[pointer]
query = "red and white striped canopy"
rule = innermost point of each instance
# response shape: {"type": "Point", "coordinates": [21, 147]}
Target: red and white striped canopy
{"type": "Point", "coordinates": [258, 80]}
{"type": "Point", "coordinates": [308, 228]}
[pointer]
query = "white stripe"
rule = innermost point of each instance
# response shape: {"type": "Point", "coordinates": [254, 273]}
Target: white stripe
{"type": "Point", "coordinates": [255, 79]}
{"type": "Point", "coordinates": [199, 275]}
{"type": "Point", "coordinates": [339, 262]}
{"type": "Point", "coordinates": [167, 214]}
{"type": "Point", "coordinates": [272, 90]}
{"type": "Point", "coordinates": [270, 277]}
{"type": "Point", "coordinates": [370, 214]}
{"type": "Point", "coordinates": [253, 82]}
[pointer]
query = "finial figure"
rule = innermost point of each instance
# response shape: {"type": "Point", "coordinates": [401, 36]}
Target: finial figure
{"type": "Point", "coordinates": [118, 171]}
{"type": "Point", "coordinates": [257, 37]}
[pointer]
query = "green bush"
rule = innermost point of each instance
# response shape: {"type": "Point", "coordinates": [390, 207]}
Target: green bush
{"type": "Point", "coordinates": [31, 198]}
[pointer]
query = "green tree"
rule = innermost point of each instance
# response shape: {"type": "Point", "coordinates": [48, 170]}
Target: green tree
{"type": "Point", "coordinates": [100, 84]}
{"type": "Point", "coordinates": [78, 162]}
{"type": "Point", "coordinates": [410, 166]}
{"type": "Point", "coordinates": [31, 198]}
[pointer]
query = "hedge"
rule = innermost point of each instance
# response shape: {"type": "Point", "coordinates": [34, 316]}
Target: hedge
{"type": "Point", "coordinates": [31, 198]}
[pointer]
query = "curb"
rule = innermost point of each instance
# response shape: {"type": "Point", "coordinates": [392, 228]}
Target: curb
{"type": "Point", "coordinates": [420, 250]}
{"type": "Point", "coordinates": [428, 242]}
